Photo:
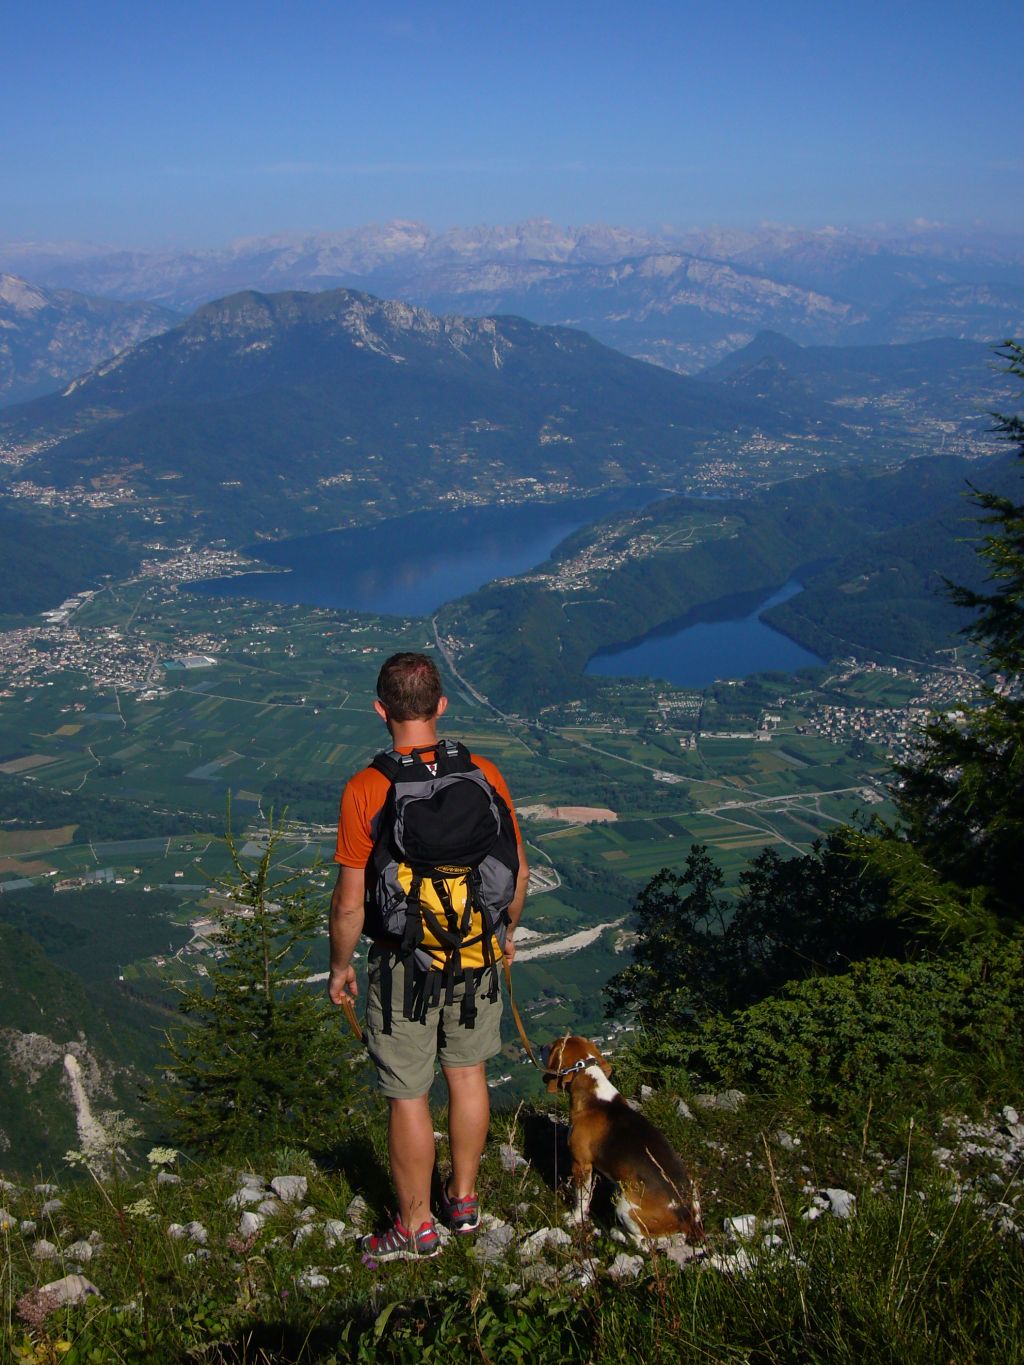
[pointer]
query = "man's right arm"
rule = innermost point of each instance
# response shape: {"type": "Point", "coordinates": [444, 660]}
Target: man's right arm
{"type": "Point", "coordinates": [346, 924]}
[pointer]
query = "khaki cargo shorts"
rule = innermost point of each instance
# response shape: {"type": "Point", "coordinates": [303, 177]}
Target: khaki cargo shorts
{"type": "Point", "coordinates": [406, 1057]}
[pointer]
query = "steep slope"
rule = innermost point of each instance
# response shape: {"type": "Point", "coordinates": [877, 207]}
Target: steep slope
{"type": "Point", "coordinates": [65, 1055]}
{"type": "Point", "coordinates": [284, 412]}
{"type": "Point", "coordinates": [44, 559]}
{"type": "Point", "coordinates": [49, 336]}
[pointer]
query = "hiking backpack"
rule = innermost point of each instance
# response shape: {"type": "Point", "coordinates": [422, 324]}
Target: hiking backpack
{"type": "Point", "coordinates": [441, 876]}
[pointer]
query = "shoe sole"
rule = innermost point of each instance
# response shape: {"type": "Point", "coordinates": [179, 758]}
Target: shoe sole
{"type": "Point", "coordinates": [404, 1254]}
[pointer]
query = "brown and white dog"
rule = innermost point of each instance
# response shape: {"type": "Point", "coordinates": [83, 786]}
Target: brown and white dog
{"type": "Point", "coordinates": [654, 1195]}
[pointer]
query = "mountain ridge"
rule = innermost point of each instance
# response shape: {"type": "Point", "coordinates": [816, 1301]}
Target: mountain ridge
{"type": "Point", "coordinates": [896, 285]}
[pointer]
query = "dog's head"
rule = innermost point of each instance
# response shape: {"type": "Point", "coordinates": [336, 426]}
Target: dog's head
{"type": "Point", "coordinates": [564, 1056]}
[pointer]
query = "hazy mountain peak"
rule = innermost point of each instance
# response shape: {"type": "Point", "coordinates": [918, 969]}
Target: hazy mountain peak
{"type": "Point", "coordinates": [21, 296]}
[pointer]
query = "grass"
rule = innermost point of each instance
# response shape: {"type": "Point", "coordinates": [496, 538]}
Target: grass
{"type": "Point", "coordinates": [922, 1273]}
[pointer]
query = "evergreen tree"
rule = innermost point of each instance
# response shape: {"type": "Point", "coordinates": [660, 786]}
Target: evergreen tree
{"type": "Point", "coordinates": [265, 1060]}
{"type": "Point", "coordinates": [803, 917]}
{"type": "Point", "coordinates": [680, 918]}
{"type": "Point", "coordinates": [961, 800]}
{"type": "Point", "coordinates": [794, 918]}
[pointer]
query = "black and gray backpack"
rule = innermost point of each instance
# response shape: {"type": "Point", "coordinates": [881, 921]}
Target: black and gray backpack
{"type": "Point", "coordinates": [441, 876]}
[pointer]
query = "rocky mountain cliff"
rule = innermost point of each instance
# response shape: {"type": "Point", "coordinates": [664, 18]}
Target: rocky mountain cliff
{"type": "Point", "coordinates": [65, 1055]}
{"type": "Point", "coordinates": [48, 336]}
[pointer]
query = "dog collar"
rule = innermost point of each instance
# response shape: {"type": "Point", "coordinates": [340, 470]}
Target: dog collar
{"type": "Point", "coordinates": [581, 1065]}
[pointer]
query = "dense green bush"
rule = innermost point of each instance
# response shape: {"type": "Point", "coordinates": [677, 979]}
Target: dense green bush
{"type": "Point", "coordinates": [926, 1035]}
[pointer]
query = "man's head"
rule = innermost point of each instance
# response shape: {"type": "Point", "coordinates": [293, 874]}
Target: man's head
{"type": "Point", "coordinates": [409, 688]}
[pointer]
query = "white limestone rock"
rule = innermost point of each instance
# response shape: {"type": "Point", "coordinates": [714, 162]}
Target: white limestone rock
{"type": "Point", "coordinates": [646, 1093]}
{"type": "Point", "coordinates": [168, 1178]}
{"type": "Point", "coordinates": [248, 1180]}
{"type": "Point", "coordinates": [51, 1207]}
{"type": "Point", "coordinates": [71, 1290]}
{"type": "Point", "coordinates": [725, 1101]}
{"type": "Point", "coordinates": [542, 1240]}
{"type": "Point", "coordinates": [334, 1232]}
{"type": "Point", "coordinates": [248, 1194]}
{"type": "Point", "coordinates": [741, 1227]}
{"type": "Point", "coordinates": [27, 1227]}
{"type": "Point", "coordinates": [313, 1278]}
{"type": "Point", "coordinates": [680, 1251]}
{"type": "Point", "coordinates": [43, 1250]}
{"type": "Point", "coordinates": [493, 1240]}
{"type": "Point", "coordinates": [302, 1233]}
{"type": "Point", "coordinates": [510, 1159]}
{"type": "Point", "coordinates": [196, 1233]}
{"type": "Point", "coordinates": [739, 1263]}
{"type": "Point", "coordinates": [307, 1214]}
{"type": "Point", "coordinates": [290, 1188]}
{"type": "Point", "coordinates": [250, 1223]}
{"type": "Point", "coordinates": [270, 1208]}
{"type": "Point", "coordinates": [683, 1110]}
{"type": "Point", "coordinates": [787, 1141]}
{"type": "Point", "coordinates": [80, 1251]}
{"type": "Point", "coordinates": [625, 1267]}
{"type": "Point", "coordinates": [839, 1203]}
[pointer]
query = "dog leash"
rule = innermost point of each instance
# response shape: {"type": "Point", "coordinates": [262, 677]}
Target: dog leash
{"type": "Point", "coordinates": [350, 1015]}
{"type": "Point", "coordinates": [518, 1018]}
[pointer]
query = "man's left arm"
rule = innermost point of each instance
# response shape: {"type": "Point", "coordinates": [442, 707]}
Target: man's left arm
{"type": "Point", "coordinates": [346, 924]}
{"type": "Point", "coordinates": [515, 908]}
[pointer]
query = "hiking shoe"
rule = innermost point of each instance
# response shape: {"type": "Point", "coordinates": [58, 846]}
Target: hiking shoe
{"type": "Point", "coordinates": [399, 1244]}
{"type": "Point", "coordinates": [461, 1215]}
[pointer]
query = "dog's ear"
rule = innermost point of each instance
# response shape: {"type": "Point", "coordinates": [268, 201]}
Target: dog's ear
{"type": "Point", "coordinates": [551, 1081]}
{"type": "Point", "coordinates": [606, 1066]}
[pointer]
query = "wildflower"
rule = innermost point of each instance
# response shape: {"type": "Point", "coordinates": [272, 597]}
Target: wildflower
{"type": "Point", "coordinates": [162, 1156]}
{"type": "Point", "coordinates": [142, 1208]}
{"type": "Point", "coordinates": [36, 1306]}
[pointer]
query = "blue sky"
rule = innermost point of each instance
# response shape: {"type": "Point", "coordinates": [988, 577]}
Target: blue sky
{"type": "Point", "coordinates": [186, 123]}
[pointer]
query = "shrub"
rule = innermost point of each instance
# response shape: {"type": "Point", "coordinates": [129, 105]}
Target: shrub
{"type": "Point", "coordinates": [904, 1035]}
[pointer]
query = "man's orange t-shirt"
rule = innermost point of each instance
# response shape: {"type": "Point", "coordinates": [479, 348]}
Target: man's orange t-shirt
{"type": "Point", "coordinates": [365, 794]}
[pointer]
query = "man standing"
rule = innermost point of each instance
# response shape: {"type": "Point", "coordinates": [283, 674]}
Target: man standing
{"type": "Point", "coordinates": [404, 1050]}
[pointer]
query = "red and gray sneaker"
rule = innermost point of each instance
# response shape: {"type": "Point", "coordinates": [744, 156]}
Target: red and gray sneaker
{"type": "Point", "coordinates": [399, 1244]}
{"type": "Point", "coordinates": [461, 1215]}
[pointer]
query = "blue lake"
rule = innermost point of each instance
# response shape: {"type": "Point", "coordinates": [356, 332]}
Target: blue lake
{"type": "Point", "coordinates": [694, 653]}
{"type": "Point", "coordinates": [410, 566]}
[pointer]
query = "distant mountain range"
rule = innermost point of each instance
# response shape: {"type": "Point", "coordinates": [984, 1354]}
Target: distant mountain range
{"type": "Point", "coordinates": [270, 414]}
{"type": "Point", "coordinates": [49, 335]}
{"type": "Point", "coordinates": [682, 300]}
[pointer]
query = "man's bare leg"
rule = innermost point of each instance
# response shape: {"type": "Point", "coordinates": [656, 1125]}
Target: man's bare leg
{"type": "Point", "coordinates": [469, 1117]}
{"type": "Point", "coordinates": [411, 1151]}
